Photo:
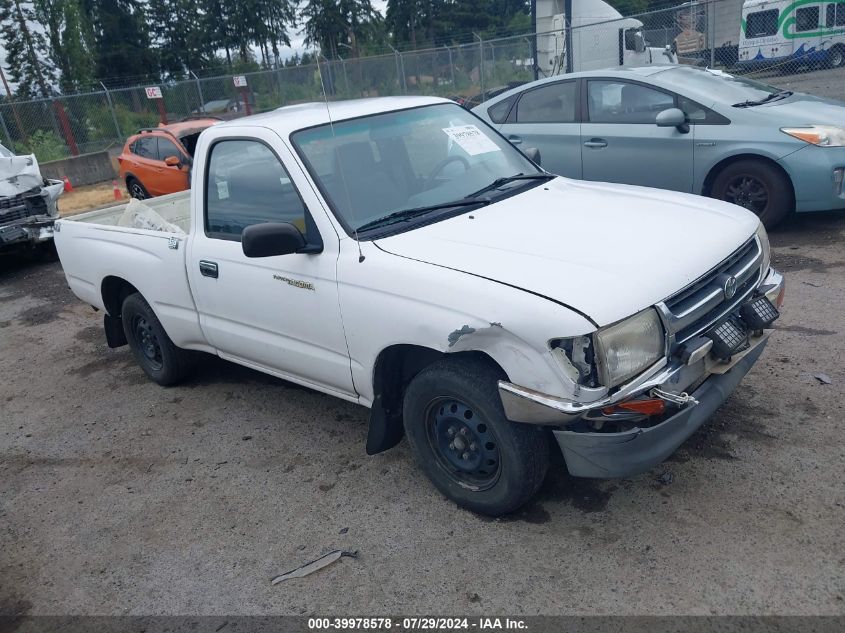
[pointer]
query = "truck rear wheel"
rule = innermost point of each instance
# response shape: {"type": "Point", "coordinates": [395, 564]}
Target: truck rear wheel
{"type": "Point", "coordinates": [160, 359]}
{"type": "Point", "coordinates": [463, 442]}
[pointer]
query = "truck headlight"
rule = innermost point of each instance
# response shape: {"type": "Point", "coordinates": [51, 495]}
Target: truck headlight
{"type": "Point", "coordinates": [764, 245]}
{"type": "Point", "coordinates": [629, 347]}
{"type": "Point", "coordinates": [821, 135]}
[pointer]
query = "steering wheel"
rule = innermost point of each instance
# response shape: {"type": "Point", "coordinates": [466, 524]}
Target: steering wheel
{"type": "Point", "coordinates": [439, 167]}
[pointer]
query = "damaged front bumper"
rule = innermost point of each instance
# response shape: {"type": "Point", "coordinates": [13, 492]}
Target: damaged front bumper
{"type": "Point", "coordinates": [606, 455]}
{"type": "Point", "coordinates": [635, 450]}
{"type": "Point", "coordinates": [28, 217]}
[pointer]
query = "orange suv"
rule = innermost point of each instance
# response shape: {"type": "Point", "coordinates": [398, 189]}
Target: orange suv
{"type": "Point", "coordinates": [157, 160]}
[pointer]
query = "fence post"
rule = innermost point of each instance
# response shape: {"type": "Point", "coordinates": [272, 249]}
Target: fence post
{"type": "Point", "coordinates": [111, 108]}
{"type": "Point", "coordinates": [67, 131]}
{"type": "Point", "coordinates": [6, 131]}
{"type": "Point", "coordinates": [567, 36]}
{"type": "Point", "coordinates": [451, 66]}
{"type": "Point", "coordinates": [199, 91]}
{"type": "Point", "coordinates": [400, 75]}
{"type": "Point", "coordinates": [481, 66]}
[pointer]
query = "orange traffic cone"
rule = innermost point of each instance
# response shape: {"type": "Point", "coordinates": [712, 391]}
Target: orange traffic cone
{"type": "Point", "coordinates": [68, 186]}
{"type": "Point", "coordinates": [116, 190]}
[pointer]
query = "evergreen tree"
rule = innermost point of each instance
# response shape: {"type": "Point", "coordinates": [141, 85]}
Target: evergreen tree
{"type": "Point", "coordinates": [329, 24]}
{"type": "Point", "coordinates": [71, 41]}
{"type": "Point", "coordinates": [27, 53]}
{"type": "Point", "coordinates": [121, 37]}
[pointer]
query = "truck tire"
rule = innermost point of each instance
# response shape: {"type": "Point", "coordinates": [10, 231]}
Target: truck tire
{"type": "Point", "coordinates": [463, 442]}
{"type": "Point", "coordinates": [160, 359]}
{"type": "Point", "coordinates": [136, 189]}
{"type": "Point", "coordinates": [762, 189]}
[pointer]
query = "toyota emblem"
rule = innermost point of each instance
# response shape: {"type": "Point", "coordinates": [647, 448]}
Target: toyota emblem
{"type": "Point", "coordinates": [730, 287]}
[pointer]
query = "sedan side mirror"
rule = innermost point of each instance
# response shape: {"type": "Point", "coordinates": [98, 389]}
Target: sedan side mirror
{"type": "Point", "coordinates": [532, 154]}
{"type": "Point", "coordinates": [271, 238]}
{"type": "Point", "coordinates": [673, 117]}
{"type": "Point", "coordinates": [173, 161]}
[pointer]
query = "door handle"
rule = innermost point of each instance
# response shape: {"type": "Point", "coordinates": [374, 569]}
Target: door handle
{"type": "Point", "coordinates": [516, 140]}
{"type": "Point", "coordinates": [208, 269]}
{"type": "Point", "coordinates": [596, 143]}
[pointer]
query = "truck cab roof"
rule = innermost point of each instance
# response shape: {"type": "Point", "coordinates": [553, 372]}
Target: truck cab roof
{"type": "Point", "coordinates": [288, 119]}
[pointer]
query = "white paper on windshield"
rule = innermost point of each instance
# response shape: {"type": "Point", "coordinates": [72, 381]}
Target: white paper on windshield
{"type": "Point", "coordinates": [222, 189]}
{"type": "Point", "coordinates": [472, 140]}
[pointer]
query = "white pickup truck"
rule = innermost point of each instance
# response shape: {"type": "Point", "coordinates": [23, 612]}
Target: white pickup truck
{"type": "Point", "coordinates": [400, 254]}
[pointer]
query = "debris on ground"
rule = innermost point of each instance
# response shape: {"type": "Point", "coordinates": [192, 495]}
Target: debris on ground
{"type": "Point", "coordinates": [665, 478]}
{"type": "Point", "coordinates": [343, 530]}
{"type": "Point", "coordinates": [315, 565]}
{"type": "Point", "coordinates": [822, 378]}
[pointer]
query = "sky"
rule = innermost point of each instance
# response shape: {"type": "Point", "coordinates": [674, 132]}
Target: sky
{"type": "Point", "coordinates": [297, 44]}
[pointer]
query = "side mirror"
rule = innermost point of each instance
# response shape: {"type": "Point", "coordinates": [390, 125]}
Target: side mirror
{"type": "Point", "coordinates": [532, 154]}
{"type": "Point", "coordinates": [173, 161]}
{"type": "Point", "coordinates": [639, 42]}
{"type": "Point", "coordinates": [271, 238]}
{"type": "Point", "coordinates": [672, 117]}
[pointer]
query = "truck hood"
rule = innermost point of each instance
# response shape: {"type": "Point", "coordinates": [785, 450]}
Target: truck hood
{"type": "Point", "coordinates": [605, 250]}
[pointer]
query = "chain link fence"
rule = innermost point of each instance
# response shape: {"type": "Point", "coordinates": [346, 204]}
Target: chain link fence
{"type": "Point", "coordinates": [797, 46]}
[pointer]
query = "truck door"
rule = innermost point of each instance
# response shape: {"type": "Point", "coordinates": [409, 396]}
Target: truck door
{"type": "Point", "coordinates": [278, 313]}
{"type": "Point", "coordinates": [546, 118]}
{"type": "Point", "coordinates": [620, 141]}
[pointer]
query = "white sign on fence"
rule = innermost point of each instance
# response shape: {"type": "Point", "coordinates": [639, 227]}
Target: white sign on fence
{"type": "Point", "coordinates": [240, 81]}
{"type": "Point", "coordinates": [153, 92]}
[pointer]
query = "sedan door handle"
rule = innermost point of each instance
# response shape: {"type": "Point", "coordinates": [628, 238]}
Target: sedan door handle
{"type": "Point", "coordinates": [516, 140]}
{"type": "Point", "coordinates": [596, 143]}
{"type": "Point", "coordinates": [208, 269]}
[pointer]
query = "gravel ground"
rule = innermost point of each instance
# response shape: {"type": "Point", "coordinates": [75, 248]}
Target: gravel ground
{"type": "Point", "coordinates": [828, 83]}
{"type": "Point", "coordinates": [121, 497]}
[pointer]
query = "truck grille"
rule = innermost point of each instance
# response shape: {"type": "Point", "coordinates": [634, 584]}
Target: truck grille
{"type": "Point", "coordinates": [698, 306]}
{"type": "Point", "coordinates": [22, 205]}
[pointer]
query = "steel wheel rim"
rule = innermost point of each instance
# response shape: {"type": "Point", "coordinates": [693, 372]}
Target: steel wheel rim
{"type": "Point", "coordinates": [463, 443]}
{"type": "Point", "coordinates": [147, 341]}
{"type": "Point", "coordinates": [137, 191]}
{"type": "Point", "coordinates": [836, 58]}
{"type": "Point", "coordinates": [748, 192]}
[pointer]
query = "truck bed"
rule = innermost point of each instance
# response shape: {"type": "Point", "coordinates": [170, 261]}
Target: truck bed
{"type": "Point", "coordinates": [175, 208]}
{"type": "Point", "coordinates": [97, 253]}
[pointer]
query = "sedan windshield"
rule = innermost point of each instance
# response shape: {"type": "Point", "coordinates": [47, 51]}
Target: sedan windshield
{"type": "Point", "coordinates": [396, 166]}
{"type": "Point", "coordinates": [717, 85]}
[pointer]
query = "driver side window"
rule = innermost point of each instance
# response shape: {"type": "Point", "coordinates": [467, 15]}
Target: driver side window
{"type": "Point", "coordinates": [623, 102]}
{"type": "Point", "coordinates": [245, 185]}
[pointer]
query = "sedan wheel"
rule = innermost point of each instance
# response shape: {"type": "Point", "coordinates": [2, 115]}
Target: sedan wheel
{"type": "Point", "coordinates": [757, 186]}
{"type": "Point", "coordinates": [748, 192]}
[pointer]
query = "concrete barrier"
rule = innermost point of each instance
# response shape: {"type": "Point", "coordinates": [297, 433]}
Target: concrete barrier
{"type": "Point", "coordinates": [86, 169]}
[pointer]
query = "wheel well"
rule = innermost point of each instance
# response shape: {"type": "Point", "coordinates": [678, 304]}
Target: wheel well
{"type": "Point", "coordinates": [721, 165]}
{"type": "Point", "coordinates": [394, 369]}
{"type": "Point", "coordinates": [114, 290]}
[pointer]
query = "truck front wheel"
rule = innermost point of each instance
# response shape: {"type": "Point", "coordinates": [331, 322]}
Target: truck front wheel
{"type": "Point", "coordinates": [463, 442]}
{"type": "Point", "coordinates": [160, 359]}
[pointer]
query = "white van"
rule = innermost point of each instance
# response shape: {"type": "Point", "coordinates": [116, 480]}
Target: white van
{"type": "Point", "coordinates": [785, 31]}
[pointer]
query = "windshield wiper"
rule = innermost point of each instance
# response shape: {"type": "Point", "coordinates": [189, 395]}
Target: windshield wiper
{"type": "Point", "coordinates": [408, 214]}
{"type": "Point", "coordinates": [506, 179]}
{"type": "Point", "coordinates": [783, 94]}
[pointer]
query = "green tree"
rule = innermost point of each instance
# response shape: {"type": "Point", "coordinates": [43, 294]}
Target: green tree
{"type": "Point", "coordinates": [27, 52]}
{"type": "Point", "coordinates": [329, 24]}
{"type": "Point", "coordinates": [121, 37]}
{"type": "Point", "coordinates": [71, 41]}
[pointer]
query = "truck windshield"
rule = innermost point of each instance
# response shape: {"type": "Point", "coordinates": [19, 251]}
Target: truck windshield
{"type": "Point", "coordinates": [422, 158]}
